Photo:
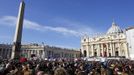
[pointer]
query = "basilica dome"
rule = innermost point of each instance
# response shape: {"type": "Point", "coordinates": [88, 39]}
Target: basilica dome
{"type": "Point", "coordinates": [114, 29]}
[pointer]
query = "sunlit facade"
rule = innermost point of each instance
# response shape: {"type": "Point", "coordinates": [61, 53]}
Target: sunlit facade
{"type": "Point", "coordinates": [46, 51]}
{"type": "Point", "coordinates": [40, 51]}
{"type": "Point", "coordinates": [130, 41]}
{"type": "Point", "coordinates": [113, 43]}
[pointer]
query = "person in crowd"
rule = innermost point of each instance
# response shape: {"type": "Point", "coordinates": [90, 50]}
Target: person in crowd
{"type": "Point", "coordinates": [67, 67]}
{"type": "Point", "coordinates": [60, 71]}
{"type": "Point", "coordinates": [26, 70]}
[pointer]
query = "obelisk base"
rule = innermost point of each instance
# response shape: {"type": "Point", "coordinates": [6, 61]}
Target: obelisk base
{"type": "Point", "coordinates": [16, 50]}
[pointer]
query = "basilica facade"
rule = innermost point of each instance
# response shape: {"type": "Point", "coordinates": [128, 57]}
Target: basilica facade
{"type": "Point", "coordinates": [113, 43]}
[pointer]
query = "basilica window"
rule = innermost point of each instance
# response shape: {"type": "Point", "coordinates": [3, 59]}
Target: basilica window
{"type": "Point", "coordinates": [116, 53]}
{"type": "Point", "coordinates": [85, 53]}
{"type": "Point", "coordinates": [117, 48]}
{"type": "Point", "coordinates": [95, 53]}
{"type": "Point", "coordinates": [101, 54]}
{"type": "Point", "coordinates": [105, 54]}
{"type": "Point", "coordinates": [109, 54]}
{"type": "Point", "coordinates": [84, 39]}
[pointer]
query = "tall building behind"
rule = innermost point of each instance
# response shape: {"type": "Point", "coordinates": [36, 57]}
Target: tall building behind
{"type": "Point", "coordinates": [113, 43]}
{"type": "Point", "coordinates": [18, 33]}
{"type": "Point", "coordinates": [130, 41]}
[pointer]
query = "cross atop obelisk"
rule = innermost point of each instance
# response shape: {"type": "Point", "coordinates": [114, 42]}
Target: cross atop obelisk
{"type": "Point", "coordinates": [18, 33]}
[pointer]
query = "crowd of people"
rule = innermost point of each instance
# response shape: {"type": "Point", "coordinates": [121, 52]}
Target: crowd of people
{"type": "Point", "coordinates": [67, 67]}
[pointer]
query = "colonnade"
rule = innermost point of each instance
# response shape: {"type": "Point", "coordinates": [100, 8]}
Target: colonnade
{"type": "Point", "coordinates": [28, 53]}
{"type": "Point", "coordinates": [5, 53]}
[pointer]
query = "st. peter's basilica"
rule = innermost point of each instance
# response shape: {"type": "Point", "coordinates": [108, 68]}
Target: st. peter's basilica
{"type": "Point", "coordinates": [113, 43]}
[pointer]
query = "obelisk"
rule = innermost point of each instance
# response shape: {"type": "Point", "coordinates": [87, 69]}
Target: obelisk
{"type": "Point", "coordinates": [18, 32]}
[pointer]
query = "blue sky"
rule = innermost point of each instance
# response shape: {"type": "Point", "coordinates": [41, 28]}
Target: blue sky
{"type": "Point", "coordinates": [61, 22]}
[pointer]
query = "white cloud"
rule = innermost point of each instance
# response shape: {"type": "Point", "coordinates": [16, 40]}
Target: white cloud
{"type": "Point", "coordinates": [8, 20]}
{"type": "Point", "coordinates": [11, 21]}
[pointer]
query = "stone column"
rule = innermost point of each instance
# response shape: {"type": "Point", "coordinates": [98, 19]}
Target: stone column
{"type": "Point", "coordinates": [98, 50]}
{"type": "Point", "coordinates": [87, 50]}
{"type": "Point", "coordinates": [38, 53]}
{"type": "Point", "coordinates": [126, 50]}
{"type": "Point", "coordinates": [107, 50]}
{"type": "Point", "coordinates": [43, 55]}
{"type": "Point", "coordinates": [27, 54]}
{"type": "Point", "coordinates": [119, 49]}
{"type": "Point", "coordinates": [82, 50]}
{"type": "Point", "coordinates": [29, 51]}
{"type": "Point", "coordinates": [102, 49]}
{"type": "Point", "coordinates": [47, 55]}
{"type": "Point", "coordinates": [34, 51]}
{"type": "Point", "coordinates": [92, 49]}
{"type": "Point", "coordinates": [111, 49]}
